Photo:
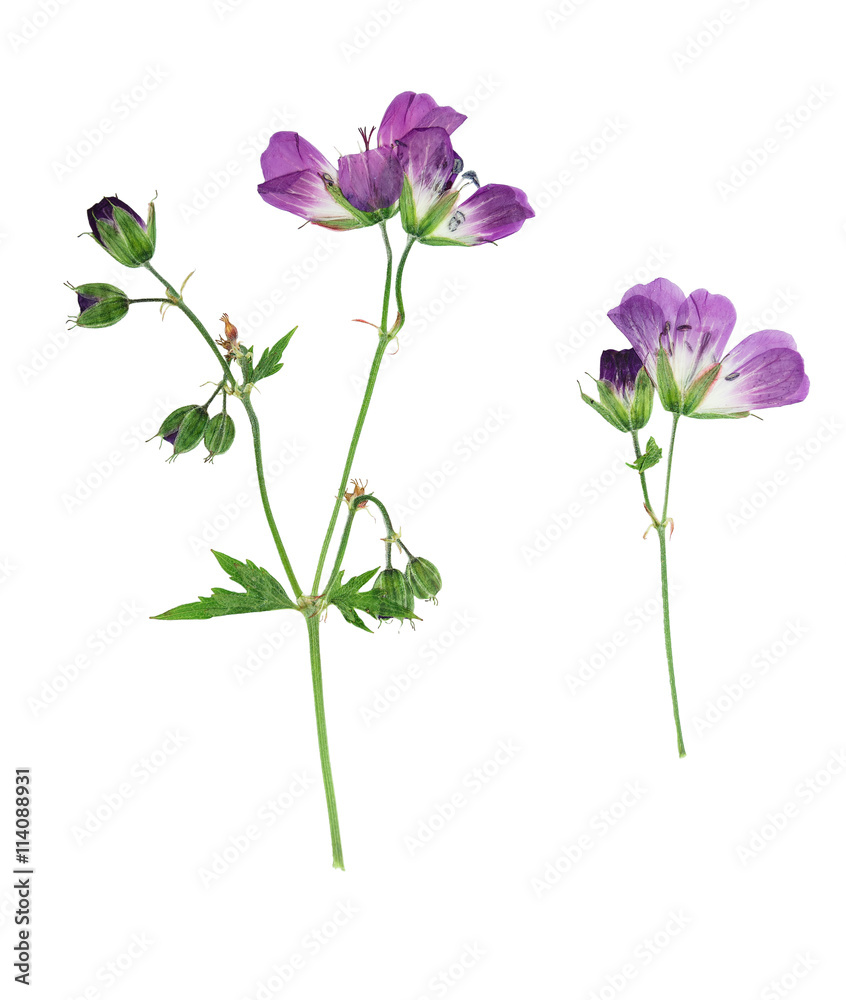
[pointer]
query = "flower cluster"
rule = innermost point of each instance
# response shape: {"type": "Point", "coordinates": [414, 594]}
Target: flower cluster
{"type": "Point", "coordinates": [412, 169]}
{"type": "Point", "coordinates": [678, 342]}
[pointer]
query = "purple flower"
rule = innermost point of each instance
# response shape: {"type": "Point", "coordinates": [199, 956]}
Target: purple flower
{"type": "Point", "coordinates": [365, 187]}
{"type": "Point", "coordinates": [680, 341]}
{"type": "Point", "coordinates": [429, 202]}
{"type": "Point", "coordinates": [619, 369]}
{"type": "Point", "coordinates": [371, 180]}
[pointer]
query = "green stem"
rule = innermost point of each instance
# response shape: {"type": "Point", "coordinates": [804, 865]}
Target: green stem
{"type": "Point", "coordinates": [665, 590]}
{"type": "Point", "coordinates": [265, 501]}
{"type": "Point", "coordinates": [646, 501]}
{"type": "Point", "coordinates": [386, 297]}
{"type": "Point", "coordinates": [176, 300]}
{"type": "Point", "coordinates": [313, 625]}
{"type": "Point", "coordinates": [398, 290]}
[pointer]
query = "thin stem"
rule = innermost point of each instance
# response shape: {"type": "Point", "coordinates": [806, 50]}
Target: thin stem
{"type": "Point", "coordinates": [398, 290]}
{"type": "Point", "coordinates": [313, 625]}
{"type": "Point", "coordinates": [177, 301]}
{"type": "Point", "coordinates": [386, 298]}
{"type": "Point", "coordinates": [265, 501]}
{"type": "Point", "coordinates": [646, 501]}
{"type": "Point", "coordinates": [133, 301]}
{"type": "Point", "coordinates": [665, 590]}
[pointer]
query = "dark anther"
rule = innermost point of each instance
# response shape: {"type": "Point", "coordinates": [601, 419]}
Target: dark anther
{"type": "Point", "coordinates": [455, 221]}
{"type": "Point", "coordinates": [732, 377]}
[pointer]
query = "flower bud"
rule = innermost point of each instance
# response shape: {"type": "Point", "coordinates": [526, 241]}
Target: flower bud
{"type": "Point", "coordinates": [184, 428]}
{"type": "Point", "coordinates": [625, 391]}
{"type": "Point", "coordinates": [393, 586]}
{"type": "Point", "coordinates": [423, 579]}
{"type": "Point", "coordinates": [219, 435]}
{"type": "Point", "coordinates": [121, 231]}
{"type": "Point", "coordinates": [100, 305]}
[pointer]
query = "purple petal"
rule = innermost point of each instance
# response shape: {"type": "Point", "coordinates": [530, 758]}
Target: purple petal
{"type": "Point", "coordinates": [409, 110]}
{"type": "Point", "coordinates": [427, 157]}
{"type": "Point", "coordinates": [620, 368]}
{"type": "Point", "coordinates": [304, 193]}
{"type": "Point", "coordinates": [763, 370]}
{"type": "Point", "coordinates": [643, 315]}
{"type": "Point", "coordinates": [491, 213]}
{"type": "Point", "coordinates": [86, 302]}
{"type": "Point", "coordinates": [288, 152]}
{"type": "Point", "coordinates": [703, 326]}
{"type": "Point", "coordinates": [104, 211]}
{"type": "Point", "coordinates": [371, 180]}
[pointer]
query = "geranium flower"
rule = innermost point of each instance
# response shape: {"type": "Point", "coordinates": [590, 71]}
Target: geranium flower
{"type": "Point", "coordinates": [429, 203]}
{"type": "Point", "coordinates": [680, 341]}
{"type": "Point", "coordinates": [365, 187]}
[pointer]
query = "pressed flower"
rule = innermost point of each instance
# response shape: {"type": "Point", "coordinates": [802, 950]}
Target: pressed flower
{"type": "Point", "coordinates": [371, 181]}
{"type": "Point", "coordinates": [625, 390]}
{"type": "Point", "coordinates": [680, 340]}
{"type": "Point", "coordinates": [121, 231]}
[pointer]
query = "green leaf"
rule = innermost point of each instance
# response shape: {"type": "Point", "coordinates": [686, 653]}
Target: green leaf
{"type": "Point", "coordinates": [262, 593]}
{"type": "Point", "coordinates": [652, 456]}
{"type": "Point", "coordinates": [349, 596]}
{"type": "Point", "coordinates": [269, 363]}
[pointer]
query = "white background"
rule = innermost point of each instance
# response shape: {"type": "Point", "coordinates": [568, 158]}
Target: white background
{"type": "Point", "coordinates": [635, 130]}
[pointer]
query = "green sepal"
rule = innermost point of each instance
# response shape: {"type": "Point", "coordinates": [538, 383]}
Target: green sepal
{"type": "Point", "coordinates": [359, 218]}
{"type": "Point", "coordinates": [437, 213]}
{"type": "Point", "coordinates": [603, 412]}
{"type": "Point", "coordinates": [151, 224]}
{"type": "Point", "coordinates": [644, 393]}
{"type": "Point", "coordinates": [408, 208]}
{"type": "Point", "coordinates": [269, 363]}
{"type": "Point", "coordinates": [138, 244]}
{"type": "Point", "coordinates": [650, 457]}
{"type": "Point", "coordinates": [668, 389]}
{"type": "Point", "coordinates": [719, 416]}
{"type": "Point", "coordinates": [699, 389]}
{"type": "Point", "coordinates": [262, 593]}
{"type": "Point", "coordinates": [114, 244]}
{"type": "Point", "coordinates": [219, 434]}
{"type": "Point", "coordinates": [612, 403]}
